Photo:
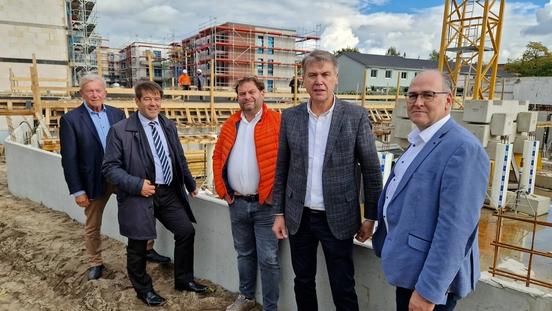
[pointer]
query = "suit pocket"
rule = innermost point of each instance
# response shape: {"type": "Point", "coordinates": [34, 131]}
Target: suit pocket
{"type": "Point", "coordinates": [418, 243]}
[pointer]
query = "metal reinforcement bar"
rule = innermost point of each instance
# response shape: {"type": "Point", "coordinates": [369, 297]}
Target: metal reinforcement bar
{"type": "Point", "coordinates": [498, 244]}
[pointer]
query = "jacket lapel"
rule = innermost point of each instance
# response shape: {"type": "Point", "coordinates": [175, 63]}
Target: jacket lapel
{"type": "Point", "coordinates": [141, 139]}
{"type": "Point", "coordinates": [85, 117]}
{"type": "Point", "coordinates": [335, 127]}
{"type": "Point", "coordinates": [428, 148]}
{"type": "Point", "coordinates": [303, 135]}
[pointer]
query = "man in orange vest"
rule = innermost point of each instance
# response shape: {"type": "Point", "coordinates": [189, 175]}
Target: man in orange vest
{"type": "Point", "coordinates": [244, 164]}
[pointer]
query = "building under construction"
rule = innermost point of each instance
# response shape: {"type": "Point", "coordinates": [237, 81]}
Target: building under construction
{"type": "Point", "coordinates": [240, 49]}
{"type": "Point", "coordinates": [135, 61]}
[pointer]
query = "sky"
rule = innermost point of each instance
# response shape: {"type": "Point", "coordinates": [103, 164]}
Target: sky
{"type": "Point", "coordinates": [412, 27]}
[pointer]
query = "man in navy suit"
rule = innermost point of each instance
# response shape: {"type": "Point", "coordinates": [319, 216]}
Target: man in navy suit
{"type": "Point", "coordinates": [83, 133]}
{"type": "Point", "coordinates": [429, 210]}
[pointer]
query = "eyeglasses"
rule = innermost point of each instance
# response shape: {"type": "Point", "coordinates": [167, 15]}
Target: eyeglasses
{"type": "Point", "coordinates": [427, 96]}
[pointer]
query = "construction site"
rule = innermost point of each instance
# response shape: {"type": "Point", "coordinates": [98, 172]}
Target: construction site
{"type": "Point", "coordinates": [40, 254]}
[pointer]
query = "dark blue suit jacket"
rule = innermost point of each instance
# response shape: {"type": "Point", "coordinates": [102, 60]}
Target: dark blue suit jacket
{"type": "Point", "coordinates": [82, 152]}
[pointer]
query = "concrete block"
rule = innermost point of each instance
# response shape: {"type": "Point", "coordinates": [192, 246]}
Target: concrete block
{"type": "Point", "coordinates": [491, 148]}
{"type": "Point", "coordinates": [529, 204]}
{"type": "Point", "coordinates": [481, 111]}
{"type": "Point", "coordinates": [481, 131]}
{"type": "Point", "coordinates": [527, 121]}
{"type": "Point", "coordinates": [402, 127]}
{"type": "Point", "coordinates": [502, 124]}
{"type": "Point", "coordinates": [458, 116]}
{"type": "Point", "coordinates": [400, 109]}
{"type": "Point", "coordinates": [518, 143]}
{"type": "Point", "coordinates": [543, 180]}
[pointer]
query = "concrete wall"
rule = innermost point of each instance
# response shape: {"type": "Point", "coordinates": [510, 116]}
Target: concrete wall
{"type": "Point", "coordinates": [37, 175]}
{"type": "Point", "coordinates": [28, 27]}
{"type": "Point", "coordinates": [537, 90]}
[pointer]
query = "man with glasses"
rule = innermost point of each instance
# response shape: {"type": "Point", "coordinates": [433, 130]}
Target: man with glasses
{"type": "Point", "coordinates": [429, 210]}
{"type": "Point", "coordinates": [145, 161]}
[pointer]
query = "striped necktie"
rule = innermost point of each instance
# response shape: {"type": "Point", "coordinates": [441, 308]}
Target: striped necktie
{"type": "Point", "coordinates": [165, 164]}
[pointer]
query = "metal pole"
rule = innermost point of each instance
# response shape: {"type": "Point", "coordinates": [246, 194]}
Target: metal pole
{"type": "Point", "coordinates": [363, 98]}
{"type": "Point", "coordinates": [150, 64]}
{"type": "Point", "coordinates": [212, 93]}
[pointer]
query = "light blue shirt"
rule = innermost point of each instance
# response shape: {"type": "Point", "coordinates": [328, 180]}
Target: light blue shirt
{"type": "Point", "coordinates": [101, 122]}
{"type": "Point", "coordinates": [159, 179]}
{"type": "Point", "coordinates": [417, 140]}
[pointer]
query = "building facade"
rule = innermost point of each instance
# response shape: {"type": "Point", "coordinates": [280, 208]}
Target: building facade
{"type": "Point", "coordinates": [134, 63]}
{"type": "Point", "coordinates": [238, 50]}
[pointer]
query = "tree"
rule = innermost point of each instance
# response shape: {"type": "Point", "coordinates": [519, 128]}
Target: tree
{"type": "Point", "coordinates": [536, 61]}
{"type": "Point", "coordinates": [434, 55]}
{"type": "Point", "coordinates": [347, 49]}
{"type": "Point", "coordinates": [392, 51]}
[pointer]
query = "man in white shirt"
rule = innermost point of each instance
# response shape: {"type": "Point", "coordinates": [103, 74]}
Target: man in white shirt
{"type": "Point", "coordinates": [316, 195]}
{"type": "Point", "coordinates": [244, 162]}
{"type": "Point", "coordinates": [429, 210]}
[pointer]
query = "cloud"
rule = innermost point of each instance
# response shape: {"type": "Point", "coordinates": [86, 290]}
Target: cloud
{"type": "Point", "coordinates": [544, 21]}
{"type": "Point", "coordinates": [343, 23]}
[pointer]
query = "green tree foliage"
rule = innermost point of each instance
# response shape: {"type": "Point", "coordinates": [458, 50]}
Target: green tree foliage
{"type": "Point", "coordinates": [434, 55]}
{"type": "Point", "coordinates": [536, 61]}
{"type": "Point", "coordinates": [392, 51]}
{"type": "Point", "coordinates": [347, 49]}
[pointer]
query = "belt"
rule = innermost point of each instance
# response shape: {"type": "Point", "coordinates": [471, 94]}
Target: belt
{"type": "Point", "coordinates": [248, 197]}
{"type": "Point", "coordinates": [314, 211]}
{"type": "Point", "coordinates": [162, 186]}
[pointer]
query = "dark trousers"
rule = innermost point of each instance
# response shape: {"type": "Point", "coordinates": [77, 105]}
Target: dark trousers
{"type": "Point", "coordinates": [169, 210]}
{"type": "Point", "coordinates": [402, 297]}
{"type": "Point", "coordinates": [314, 229]}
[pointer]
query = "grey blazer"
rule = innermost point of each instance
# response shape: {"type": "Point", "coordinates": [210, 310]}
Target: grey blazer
{"type": "Point", "coordinates": [350, 143]}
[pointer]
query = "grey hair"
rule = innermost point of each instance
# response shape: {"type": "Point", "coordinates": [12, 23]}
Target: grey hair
{"type": "Point", "coordinates": [319, 56]}
{"type": "Point", "coordinates": [90, 77]}
{"type": "Point", "coordinates": [445, 78]}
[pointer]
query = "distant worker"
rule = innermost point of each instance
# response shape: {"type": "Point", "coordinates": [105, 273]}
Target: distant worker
{"type": "Point", "coordinates": [294, 80]}
{"type": "Point", "coordinates": [244, 163]}
{"type": "Point", "coordinates": [184, 80]}
{"type": "Point", "coordinates": [145, 161]}
{"type": "Point", "coordinates": [429, 210]}
{"type": "Point", "coordinates": [83, 135]}
{"type": "Point", "coordinates": [323, 144]}
{"type": "Point", "coordinates": [199, 81]}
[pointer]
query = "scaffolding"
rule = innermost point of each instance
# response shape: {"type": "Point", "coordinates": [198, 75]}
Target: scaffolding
{"type": "Point", "coordinates": [82, 39]}
{"type": "Point", "coordinates": [135, 63]}
{"type": "Point", "coordinates": [471, 33]}
{"type": "Point", "coordinates": [239, 50]}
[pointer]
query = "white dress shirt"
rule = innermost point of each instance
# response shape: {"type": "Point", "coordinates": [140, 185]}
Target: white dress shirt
{"type": "Point", "coordinates": [159, 179]}
{"type": "Point", "coordinates": [319, 128]}
{"type": "Point", "coordinates": [417, 140]}
{"type": "Point", "coordinates": [243, 170]}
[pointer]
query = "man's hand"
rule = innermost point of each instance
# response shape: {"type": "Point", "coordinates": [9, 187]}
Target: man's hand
{"type": "Point", "coordinates": [228, 199]}
{"type": "Point", "coordinates": [366, 230]}
{"type": "Point", "coordinates": [194, 193]}
{"type": "Point", "coordinates": [419, 303]}
{"type": "Point", "coordinates": [82, 200]}
{"type": "Point", "coordinates": [147, 189]}
{"type": "Point", "coordinates": [279, 227]}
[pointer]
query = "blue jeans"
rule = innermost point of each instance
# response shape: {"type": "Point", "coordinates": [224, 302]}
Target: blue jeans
{"type": "Point", "coordinates": [254, 242]}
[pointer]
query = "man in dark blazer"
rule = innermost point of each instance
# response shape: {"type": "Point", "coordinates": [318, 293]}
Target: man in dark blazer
{"type": "Point", "coordinates": [429, 210]}
{"type": "Point", "coordinates": [145, 161]}
{"type": "Point", "coordinates": [316, 189]}
{"type": "Point", "coordinates": [83, 133]}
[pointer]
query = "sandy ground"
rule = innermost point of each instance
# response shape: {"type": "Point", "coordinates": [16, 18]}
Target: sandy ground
{"type": "Point", "coordinates": [43, 267]}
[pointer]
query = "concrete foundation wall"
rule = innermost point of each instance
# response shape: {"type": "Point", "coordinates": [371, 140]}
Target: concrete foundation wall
{"type": "Point", "coordinates": [534, 89]}
{"type": "Point", "coordinates": [37, 175]}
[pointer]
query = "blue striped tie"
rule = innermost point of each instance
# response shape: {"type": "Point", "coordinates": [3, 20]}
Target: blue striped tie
{"type": "Point", "coordinates": [165, 164]}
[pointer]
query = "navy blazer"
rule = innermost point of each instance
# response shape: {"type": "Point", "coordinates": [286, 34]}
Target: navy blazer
{"type": "Point", "coordinates": [81, 150]}
{"type": "Point", "coordinates": [431, 243]}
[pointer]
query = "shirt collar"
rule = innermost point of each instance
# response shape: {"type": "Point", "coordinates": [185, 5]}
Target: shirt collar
{"type": "Point", "coordinates": [255, 119]}
{"type": "Point", "coordinates": [92, 111]}
{"type": "Point", "coordinates": [416, 136]}
{"type": "Point", "coordinates": [323, 114]}
{"type": "Point", "coordinates": [145, 121]}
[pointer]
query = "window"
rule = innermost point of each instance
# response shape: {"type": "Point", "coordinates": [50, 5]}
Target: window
{"type": "Point", "coordinates": [269, 85]}
{"type": "Point", "coordinates": [270, 43]}
{"type": "Point", "coordinates": [157, 72]}
{"type": "Point", "coordinates": [260, 44]}
{"type": "Point", "coordinates": [388, 74]}
{"type": "Point", "coordinates": [260, 67]}
{"type": "Point", "coordinates": [270, 67]}
{"type": "Point", "coordinates": [374, 73]}
{"type": "Point", "coordinates": [157, 54]}
{"type": "Point", "coordinates": [403, 75]}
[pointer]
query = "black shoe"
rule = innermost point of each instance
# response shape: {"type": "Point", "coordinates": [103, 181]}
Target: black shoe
{"type": "Point", "coordinates": [95, 272]}
{"type": "Point", "coordinates": [193, 287]}
{"type": "Point", "coordinates": [153, 256]}
{"type": "Point", "coordinates": [152, 299]}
